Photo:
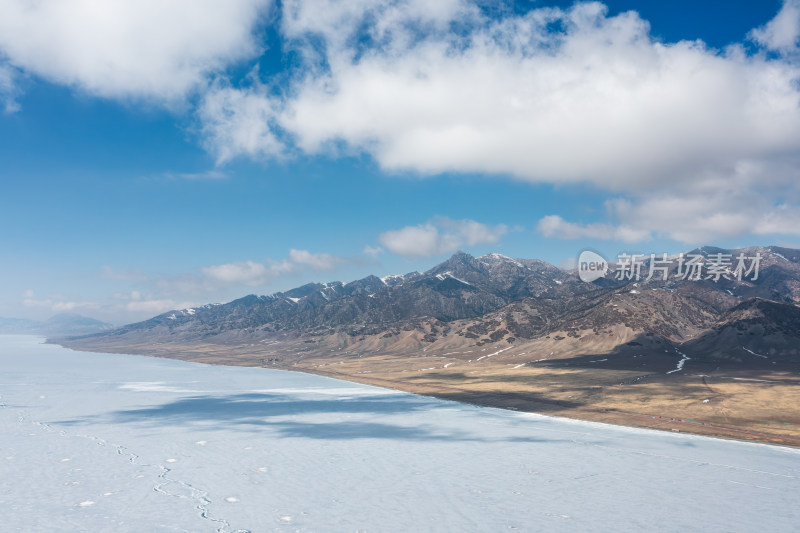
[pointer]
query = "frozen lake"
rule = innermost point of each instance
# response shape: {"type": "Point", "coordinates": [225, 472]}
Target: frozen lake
{"type": "Point", "coordinates": [95, 442]}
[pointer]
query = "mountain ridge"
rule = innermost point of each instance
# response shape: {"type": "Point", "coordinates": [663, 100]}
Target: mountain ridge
{"type": "Point", "coordinates": [483, 300]}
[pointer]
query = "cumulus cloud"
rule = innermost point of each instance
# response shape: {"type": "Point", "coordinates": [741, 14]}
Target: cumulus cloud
{"type": "Point", "coordinates": [416, 241]}
{"type": "Point", "coordinates": [555, 226]}
{"type": "Point", "coordinates": [239, 122]}
{"type": "Point", "coordinates": [699, 219]}
{"type": "Point", "coordinates": [388, 23]}
{"type": "Point", "coordinates": [245, 273]}
{"type": "Point", "coordinates": [252, 273]}
{"type": "Point", "coordinates": [315, 261]}
{"type": "Point", "coordinates": [549, 96]}
{"type": "Point", "coordinates": [691, 219]}
{"type": "Point", "coordinates": [150, 49]}
{"type": "Point", "coordinates": [783, 32]}
{"type": "Point", "coordinates": [439, 236]}
{"type": "Point", "coordinates": [598, 100]}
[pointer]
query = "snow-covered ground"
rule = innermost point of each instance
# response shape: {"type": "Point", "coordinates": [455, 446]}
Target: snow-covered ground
{"type": "Point", "coordinates": [94, 442]}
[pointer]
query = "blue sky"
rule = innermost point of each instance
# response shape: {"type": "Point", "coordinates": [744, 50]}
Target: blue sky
{"type": "Point", "coordinates": [157, 155]}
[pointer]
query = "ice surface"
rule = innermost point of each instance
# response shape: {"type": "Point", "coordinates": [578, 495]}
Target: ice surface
{"type": "Point", "coordinates": [97, 442]}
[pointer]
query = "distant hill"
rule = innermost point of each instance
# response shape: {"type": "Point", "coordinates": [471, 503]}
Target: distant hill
{"type": "Point", "coordinates": [19, 325]}
{"type": "Point", "coordinates": [64, 324]}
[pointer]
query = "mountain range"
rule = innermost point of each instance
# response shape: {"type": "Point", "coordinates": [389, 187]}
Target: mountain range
{"type": "Point", "coordinates": [516, 304]}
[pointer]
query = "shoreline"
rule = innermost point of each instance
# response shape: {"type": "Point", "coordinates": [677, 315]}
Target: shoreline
{"type": "Point", "coordinates": [497, 394]}
{"type": "Point", "coordinates": [588, 414]}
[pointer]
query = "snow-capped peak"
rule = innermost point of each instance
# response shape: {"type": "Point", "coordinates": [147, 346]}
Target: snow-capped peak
{"type": "Point", "coordinates": [392, 279]}
{"type": "Point", "coordinates": [500, 257]}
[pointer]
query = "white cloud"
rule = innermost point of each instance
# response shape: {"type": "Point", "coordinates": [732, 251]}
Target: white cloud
{"type": "Point", "coordinates": [150, 49]}
{"type": "Point", "coordinates": [600, 101]}
{"type": "Point", "coordinates": [8, 89]}
{"type": "Point", "coordinates": [244, 273]}
{"type": "Point", "coordinates": [238, 122]}
{"type": "Point", "coordinates": [556, 227]}
{"type": "Point", "coordinates": [782, 32]}
{"type": "Point", "coordinates": [387, 21]}
{"type": "Point", "coordinates": [251, 273]}
{"type": "Point", "coordinates": [704, 218]}
{"type": "Point", "coordinates": [552, 96]}
{"type": "Point", "coordinates": [315, 261]}
{"type": "Point", "coordinates": [693, 218]}
{"type": "Point", "coordinates": [415, 241]}
{"type": "Point", "coordinates": [372, 251]}
{"type": "Point", "coordinates": [439, 236]}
